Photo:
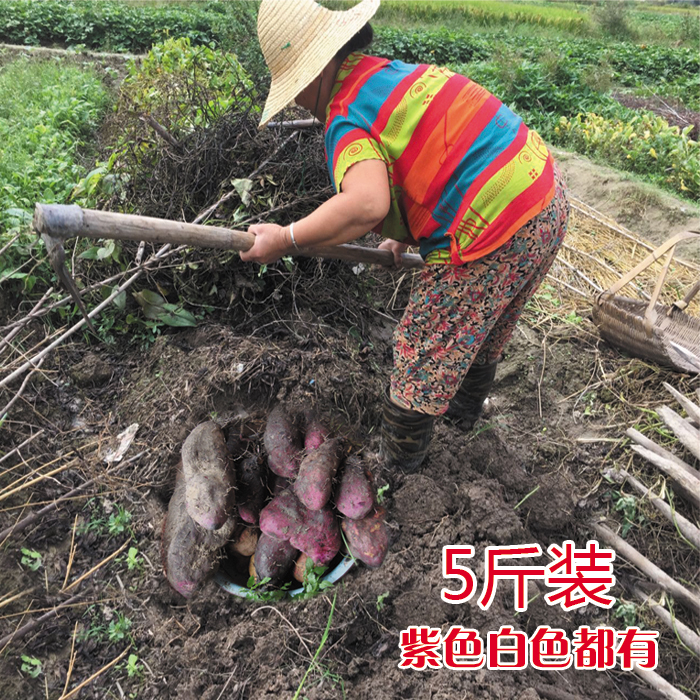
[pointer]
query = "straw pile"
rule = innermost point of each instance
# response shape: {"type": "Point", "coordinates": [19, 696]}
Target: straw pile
{"type": "Point", "coordinates": [597, 251]}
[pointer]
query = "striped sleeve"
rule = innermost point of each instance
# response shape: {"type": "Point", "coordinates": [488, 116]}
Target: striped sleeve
{"type": "Point", "coordinates": [354, 146]}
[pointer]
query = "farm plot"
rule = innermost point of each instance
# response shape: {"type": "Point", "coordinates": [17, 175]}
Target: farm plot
{"type": "Point", "coordinates": [234, 341]}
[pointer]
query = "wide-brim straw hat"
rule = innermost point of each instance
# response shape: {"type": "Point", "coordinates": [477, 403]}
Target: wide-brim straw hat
{"type": "Point", "coordinates": [298, 39]}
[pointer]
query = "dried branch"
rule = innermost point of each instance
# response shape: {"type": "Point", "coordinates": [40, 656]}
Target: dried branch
{"type": "Point", "coordinates": [95, 568]}
{"type": "Point", "coordinates": [692, 409]}
{"type": "Point", "coordinates": [31, 626]}
{"type": "Point", "coordinates": [683, 632]}
{"type": "Point", "coordinates": [95, 675]}
{"type": "Point", "coordinates": [686, 528]}
{"type": "Point", "coordinates": [32, 362]}
{"type": "Point", "coordinates": [653, 572]}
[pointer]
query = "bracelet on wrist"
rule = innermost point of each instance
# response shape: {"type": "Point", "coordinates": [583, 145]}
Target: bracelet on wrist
{"type": "Point", "coordinates": [291, 236]}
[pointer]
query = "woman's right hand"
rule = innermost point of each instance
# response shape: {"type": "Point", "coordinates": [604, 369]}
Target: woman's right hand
{"type": "Point", "coordinates": [396, 248]}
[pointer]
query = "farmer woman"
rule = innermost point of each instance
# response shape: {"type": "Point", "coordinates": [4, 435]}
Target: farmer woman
{"type": "Point", "coordinates": [424, 157]}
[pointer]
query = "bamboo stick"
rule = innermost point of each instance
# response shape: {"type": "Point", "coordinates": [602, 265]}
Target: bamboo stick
{"type": "Point", "coordinates": [654, 447]}
{"type": "Point", "coordinates": [657, 575]}
{"type": "Point", "coordinates": [689, 436]}
{"type": "Point", "coordinates": [658, 683]}
{"type": "Point", "coordinates": [684, 633]}
{"type": "Point", "coordinates": [692, 409]}
{"type": "Point", "coordinates": [686, 528]}
{"type": "Point", "coordinates": [689, 486]}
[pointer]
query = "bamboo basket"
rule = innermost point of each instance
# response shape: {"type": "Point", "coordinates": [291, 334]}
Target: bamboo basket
{"type": "Point", "coordinates": [663, 333]}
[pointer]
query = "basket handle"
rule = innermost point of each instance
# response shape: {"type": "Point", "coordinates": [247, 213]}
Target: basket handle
{"type": "Point", "coordinates": [666, 247]}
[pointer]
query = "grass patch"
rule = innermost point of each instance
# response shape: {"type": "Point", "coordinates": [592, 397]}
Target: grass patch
{"type": "Point", "coordinates": [49, 111]}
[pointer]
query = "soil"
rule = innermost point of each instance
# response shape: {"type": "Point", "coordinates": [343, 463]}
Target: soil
{"type": "Point", "coordinates": [529, 473]}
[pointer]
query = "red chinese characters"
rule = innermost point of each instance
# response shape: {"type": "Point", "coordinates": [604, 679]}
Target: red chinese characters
{"type": "Point", "coordinates": [548, 649]}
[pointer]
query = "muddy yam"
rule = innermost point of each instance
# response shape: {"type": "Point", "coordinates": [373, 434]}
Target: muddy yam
{"type": "Point", "coordinates": [319, 536]}
{"type": "Point", "coordinates": [210, 480]}
{"type": "Point", "coordinates": [314, 484]}
{"type": "Point", "coordinates": [282, 444]}
{"type": "Point", "coordinates": [368, 539]}
{"type": "Point", "coordinates": [315, 432]}
{"type": "Point", "coordinates": [189, 559]}
{"type": "Point", "coordinates": [355, 495]}
{"type": "Point", "coordinates": [251, 492]}
{"type": "Point", "coordinates": [282, 516]}
{"type": "Point", "coordinates": [273, 558]}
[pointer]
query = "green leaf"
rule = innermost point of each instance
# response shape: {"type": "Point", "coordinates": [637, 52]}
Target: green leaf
{"type": "Point", "coordinates": [243, 186]}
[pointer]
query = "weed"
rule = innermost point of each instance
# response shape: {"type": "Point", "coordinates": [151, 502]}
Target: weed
{"type": "Point", "coordinates": [31, 666]}
{"type": "Point", "coordinates": [133, 668]}
{"type": "Point", "coordinates": [627, 612]}
{"type": "Point", "coordinates": [119, 521]}
{"type": "Point", "coordinates": [627, 505]}
{"type": "Point", "coordinates": [31, 559]}
{"type": "Point", "coordinates": [259, 592]}
{"type": "Point", "coordinates": [322, 643]}
{"type": "Point", "coordinates": [133, 561]}
{"type": "Point", "coordinates": [382, 493]}
{"type": "Point", "coordinates": [119, 628]}
{"type": "Point", "coordinates": [313, 580]}
{"type": "Point", "coordinates": [381, 598]}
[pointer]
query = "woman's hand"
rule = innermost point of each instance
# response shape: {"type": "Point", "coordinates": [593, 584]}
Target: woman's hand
{"type": "Point", "coordinates": [396, 248]}
{"type": "Point", "coordinates": [271, 243]}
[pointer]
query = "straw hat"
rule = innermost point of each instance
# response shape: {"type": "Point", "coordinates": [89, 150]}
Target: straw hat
{"type": "Point", "coordinates": [298, 39]}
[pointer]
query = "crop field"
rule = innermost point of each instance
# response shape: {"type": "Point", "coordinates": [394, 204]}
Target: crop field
{"type": "Point", "coordinates": [93, 423]}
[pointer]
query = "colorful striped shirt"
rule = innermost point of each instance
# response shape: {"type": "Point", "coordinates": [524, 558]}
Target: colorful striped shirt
{"type": "Point", "coordinates": [465, 173]}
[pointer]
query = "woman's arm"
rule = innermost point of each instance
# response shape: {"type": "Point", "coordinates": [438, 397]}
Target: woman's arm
{"type": "Point", "coordinates": [362, 204]}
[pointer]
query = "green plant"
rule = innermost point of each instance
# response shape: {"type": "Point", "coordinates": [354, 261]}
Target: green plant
{"type": "Point", "coordinates": [31, 666]}
{"type": "Point", "coordinates": [627, 612]}
{"type": "Point", "coordinates": [645, 144]}
{"type": "Point", "coordinates": [259, 591]}
{"type": "Point", "coordinates": [382, 492]}
{"type": "Point", "coordinates": [118, 521]}
{"type": "Point", "coordinates": [313, 580]}
{"type": "Point", "coordinates": [322, 643]}
{"type": "Point", "coordinates": [613, 18]}
{"type": "Point", "coordinates": [119, 628]}
{"type": "Point", "coordinates": [628, 507]}
{"type": "Point", "coordinates": [381, 599]}
{"type": "Point", "coordinates": [43, 138]}
{"type": "Point", "coordinates": [31, 559]}
{"type": "Point", "coordinates": [133, 561]}
{"type": "Point", "coordinates": [133, 668]}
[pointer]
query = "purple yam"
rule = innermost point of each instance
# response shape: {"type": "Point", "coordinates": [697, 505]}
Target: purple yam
{"type": "Point", "coordinates": [251, 489]}
{"type": "Point", "coordinates": [319, 537]}
{"type": "Point", "coordinates": [368, 539]}
{"type": "Point", "coordinates": [315, 432]}
{"type": "Point", "coordinates": [188, 558]}
{"type": "Point", "coordinates": [314, 484]}
{"type": "Point", "coordinates": [273, 558]}
{"type": "Point", "coordinates": [282, 444]}
{"type": "Point", "coordinates": [282, 516]}
{"type": "Point", "coordinates": [210, 479]}
{"type": "Point", "coordinates": [355, 495]}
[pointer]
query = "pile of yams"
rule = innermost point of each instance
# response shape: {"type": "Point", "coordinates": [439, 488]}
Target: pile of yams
{"type": "Point", "coordinates": [275, 515]}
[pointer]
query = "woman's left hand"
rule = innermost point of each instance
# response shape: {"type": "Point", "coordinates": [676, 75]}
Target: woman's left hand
{"type": "Point", "coordinates": [270, 243]}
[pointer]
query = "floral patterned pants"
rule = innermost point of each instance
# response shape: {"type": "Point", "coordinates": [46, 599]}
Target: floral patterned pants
{"type": "Point", "coordinates": [457, 316]}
